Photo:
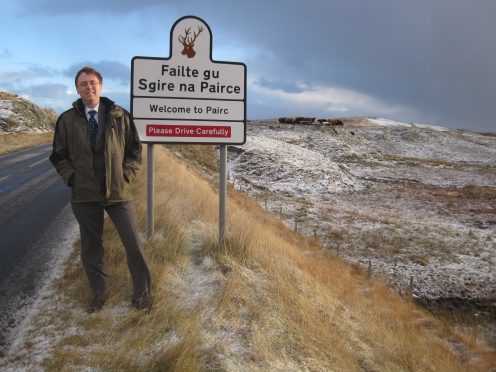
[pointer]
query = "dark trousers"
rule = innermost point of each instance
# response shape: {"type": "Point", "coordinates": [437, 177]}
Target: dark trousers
{"type": "Point", "coordinates": [90, 218]}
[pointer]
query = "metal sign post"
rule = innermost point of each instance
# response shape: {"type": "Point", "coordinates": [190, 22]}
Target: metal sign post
{"type": "Point", "coordinates": [150, 223]}
{"type": "Point", "coordinates": [222, 193]}
{"type": "Point", "coordinates": [189, 98]}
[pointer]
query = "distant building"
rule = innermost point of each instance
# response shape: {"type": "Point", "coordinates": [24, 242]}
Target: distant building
{"type": "Point", "coordinates": [296, 120]}
{"type": "Point", "coordinates": [335, 122]}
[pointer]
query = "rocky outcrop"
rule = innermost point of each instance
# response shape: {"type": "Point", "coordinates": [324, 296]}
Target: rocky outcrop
{"type": "Point", "coordinates": [18, 115]}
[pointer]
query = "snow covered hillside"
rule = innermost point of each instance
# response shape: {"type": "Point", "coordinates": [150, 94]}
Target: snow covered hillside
{"type": "Point", "coordinates": [18, 115]}
{"type": "Point", "coordinates": [415, 203]}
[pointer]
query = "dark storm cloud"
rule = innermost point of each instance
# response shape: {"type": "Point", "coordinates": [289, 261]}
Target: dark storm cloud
{"type": "Point", "coordinates": [47, 91]}
{"type": "Point", "coordinates": [58, 7]}
{"type": "Point", "coordinates": [285, 86]}
{"type": "Point", "coordinates": [23, 81]}
{"type": "Point", "coordinates": [25, 75]}
{"type": "Point", "coordinates": [113, 70]}
{"type": "Point", "coordinates": [437, 57]}
{"type": "Point", "coordinates": [43, 94]}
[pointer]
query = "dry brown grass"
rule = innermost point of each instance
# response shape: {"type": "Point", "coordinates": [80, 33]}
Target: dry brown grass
{"type": "Point", "coordinates": [309, 310]}
{"type": "Point", "coordinates": [267, 299]}
{"type": "Point", "coordinates": [18, 141]}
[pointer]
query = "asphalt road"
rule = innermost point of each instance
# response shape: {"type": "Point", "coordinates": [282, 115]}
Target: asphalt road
{"type": "Point", "coordinates": [37, 229]}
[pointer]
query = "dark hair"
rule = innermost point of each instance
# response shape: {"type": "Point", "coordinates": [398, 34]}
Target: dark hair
{"type": "Point", "coordinates": [88, 70]}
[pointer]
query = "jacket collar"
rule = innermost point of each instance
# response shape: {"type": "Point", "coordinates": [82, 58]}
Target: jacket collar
{"type": "Point", "coordinates": [79, 105]}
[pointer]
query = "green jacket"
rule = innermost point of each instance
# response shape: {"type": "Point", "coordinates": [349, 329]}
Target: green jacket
{"type": "Point", "coordinates": [72, 154]}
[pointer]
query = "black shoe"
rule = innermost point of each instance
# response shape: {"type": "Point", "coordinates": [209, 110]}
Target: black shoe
{"type": "Point", "coordinates": [143, 303]}
{"type": "Point", "coordinates": [96, 304]}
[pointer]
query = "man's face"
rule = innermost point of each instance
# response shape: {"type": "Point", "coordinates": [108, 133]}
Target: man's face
{"type": "Point", "coordinates": [89, 88]}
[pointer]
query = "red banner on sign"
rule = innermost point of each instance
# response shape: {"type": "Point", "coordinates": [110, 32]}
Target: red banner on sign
{"type": "Point", "coordinates": [160, 130]}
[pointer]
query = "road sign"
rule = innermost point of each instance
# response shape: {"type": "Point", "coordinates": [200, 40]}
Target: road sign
{"type": "Point", "coordinates": [188, 97]}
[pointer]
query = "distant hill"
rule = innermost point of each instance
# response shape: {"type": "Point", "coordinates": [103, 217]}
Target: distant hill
{"type": "Point", "coordinates": [413, 201]}
{"type": "Point", "coordinates": [18, 115]}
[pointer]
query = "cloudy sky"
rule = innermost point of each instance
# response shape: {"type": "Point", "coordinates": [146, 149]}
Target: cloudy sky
{"type": "Point", "coordinates": [423, 61]}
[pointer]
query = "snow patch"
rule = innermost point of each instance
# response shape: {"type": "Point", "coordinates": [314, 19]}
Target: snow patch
{"type": "Point", "coordinates": [282, 167]}
{"type": "Point", "coordinates": [393, 123]}
{"type": "Point", "coordinates": [390, 194]}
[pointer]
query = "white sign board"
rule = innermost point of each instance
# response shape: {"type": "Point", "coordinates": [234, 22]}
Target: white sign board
{"type": "Point", "coordinates": [189, 98]}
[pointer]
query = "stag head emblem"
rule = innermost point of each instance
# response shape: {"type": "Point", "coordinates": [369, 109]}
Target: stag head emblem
{"type": "Point", "coordinates": [189, 41]}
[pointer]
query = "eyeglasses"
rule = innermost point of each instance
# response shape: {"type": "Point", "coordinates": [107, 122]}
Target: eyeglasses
{"type": "Point", "coordinates": [92, 83]}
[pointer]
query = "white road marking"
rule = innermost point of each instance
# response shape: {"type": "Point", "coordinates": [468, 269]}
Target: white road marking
{"type": "Point", "coordinates": [38, 162]}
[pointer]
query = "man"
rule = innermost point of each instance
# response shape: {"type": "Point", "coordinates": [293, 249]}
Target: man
{"type": "Point", "coordinates": [96, 150]}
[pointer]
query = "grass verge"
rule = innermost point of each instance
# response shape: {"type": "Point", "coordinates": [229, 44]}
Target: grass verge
{"type": "Point", "coordinates": [266, 299]}
{"type": "Point", "coordinates": [18, 141]}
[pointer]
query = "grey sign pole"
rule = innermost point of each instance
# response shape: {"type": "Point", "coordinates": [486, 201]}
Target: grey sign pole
{"type": "Point", "coordinates": [150, 231]}
{"type": "Point", "coordinates": [222, 193]}
{"type": "Point", "coordinates": [207, 99]}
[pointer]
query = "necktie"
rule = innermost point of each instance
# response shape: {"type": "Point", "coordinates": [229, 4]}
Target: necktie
{"type": "Point", "coordinates": [93, 127]}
